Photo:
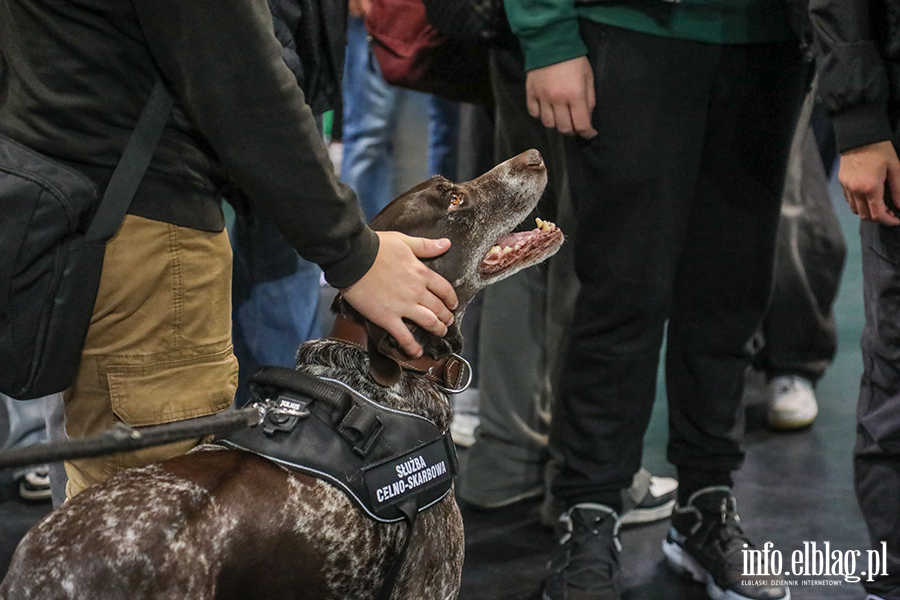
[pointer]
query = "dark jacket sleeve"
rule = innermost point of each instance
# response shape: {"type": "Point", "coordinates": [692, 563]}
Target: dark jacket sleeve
{"type": "Point", "coordinates": [853, 80]}
{"type": "Point", "coordinates": [225, 66]}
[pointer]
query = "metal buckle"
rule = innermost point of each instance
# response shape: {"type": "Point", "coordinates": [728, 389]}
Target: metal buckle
{"type": "Point", "coordinates": [283, 413]}
{"type": "Point", "coordinates": [466, 372]}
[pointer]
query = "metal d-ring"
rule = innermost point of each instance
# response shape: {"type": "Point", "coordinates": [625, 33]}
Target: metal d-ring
{"type": "Point", "coordinates": [468, 375]}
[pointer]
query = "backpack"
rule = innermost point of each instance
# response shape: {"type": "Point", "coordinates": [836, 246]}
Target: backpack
{"type": "Point", "coordinates": [53, 234]}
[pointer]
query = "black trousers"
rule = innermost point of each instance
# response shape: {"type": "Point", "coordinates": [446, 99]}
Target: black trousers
{"type": "Point", "coordinates": [877, 452]}
{"type": "Point", "coordinates": [677, 203]}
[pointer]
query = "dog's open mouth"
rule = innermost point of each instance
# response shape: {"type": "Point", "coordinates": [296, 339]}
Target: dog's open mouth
{"type": "Point", "coordinates": [522, 248]}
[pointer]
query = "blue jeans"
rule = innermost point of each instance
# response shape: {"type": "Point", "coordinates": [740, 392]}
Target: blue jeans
{"type": "Point", "coordinates": [371, 108]}
{"type": "Point", "coordinates": [276, 298]}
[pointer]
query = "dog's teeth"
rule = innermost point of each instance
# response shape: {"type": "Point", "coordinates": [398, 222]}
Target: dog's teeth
{"type": "Point", "coordinates": [507, 249]}
{"type": "Point", "coordinates": [545, 226]}
{"type": "Point", "coordinates": [495, 250]}
{"type": "Point", "coordinates": [540, 224]}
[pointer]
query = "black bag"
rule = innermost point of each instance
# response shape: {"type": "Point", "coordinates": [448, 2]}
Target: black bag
{"type": "Point", "coordinates": [413, 54]}
{"type": "Point", "coordinates": [51, 253]}
{"type": "Point", "coordinates": [472, 21]}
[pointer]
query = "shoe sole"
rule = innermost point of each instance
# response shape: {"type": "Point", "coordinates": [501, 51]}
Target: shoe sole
{"type": "Point", "coordinates": [796, 421]}
{"type": "Point", "coordinates": [683, 563]}
{"type": "Point", "coordinates": [792, 423]}
{"type": "Point", "coordinates": [29, 495]}
{"type": "Point", "coordinates": [637, 516]}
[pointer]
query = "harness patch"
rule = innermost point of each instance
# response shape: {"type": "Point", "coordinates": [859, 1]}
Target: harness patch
{"type": "Point", "coordinates": [397, 480]}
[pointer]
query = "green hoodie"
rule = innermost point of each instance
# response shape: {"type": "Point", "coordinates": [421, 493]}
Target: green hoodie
{"type": "Point", "coordinates": [548, 29]}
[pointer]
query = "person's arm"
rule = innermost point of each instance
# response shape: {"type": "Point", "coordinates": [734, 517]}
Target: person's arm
{"type": "Point", "coordinates": [225, 66]}
{"type": "Point", "coordinates": [854, 86]}
{"type": "Point", "coordinates": [560, 81]}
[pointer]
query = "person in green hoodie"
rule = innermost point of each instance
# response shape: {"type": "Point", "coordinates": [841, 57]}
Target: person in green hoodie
{"type": "Point", "coordinates": [679, 117]}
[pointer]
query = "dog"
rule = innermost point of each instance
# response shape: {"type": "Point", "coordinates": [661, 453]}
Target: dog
{"type": "Point", "coordinates": [219, 524]}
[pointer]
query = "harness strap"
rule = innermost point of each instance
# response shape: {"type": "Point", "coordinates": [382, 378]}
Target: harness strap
{"type": "Point", "coordinates": [410, 511]}
{"type": "Point", "coordinates": [355, 423]}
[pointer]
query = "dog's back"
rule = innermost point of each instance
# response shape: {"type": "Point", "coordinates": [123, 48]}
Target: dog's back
{"type": "Point", "coordinates": [224, 524]}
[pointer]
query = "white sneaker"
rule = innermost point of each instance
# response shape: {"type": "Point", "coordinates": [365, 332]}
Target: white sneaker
{"type": "Point", "coordinates": [462, 429]}
{"type": "Point", "coordinates": [649, 502]}
{"type": "Point", "coordinates": [465, 417]}
{"type": "Point", "coordinates": [792, 403]}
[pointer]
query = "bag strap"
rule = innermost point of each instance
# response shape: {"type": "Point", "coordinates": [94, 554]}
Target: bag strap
{"type": "Point", "coordinates": [132, 165]}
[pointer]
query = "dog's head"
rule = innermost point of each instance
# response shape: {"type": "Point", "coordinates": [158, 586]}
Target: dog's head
{"type": "Point", "coordinates": [478, 217]}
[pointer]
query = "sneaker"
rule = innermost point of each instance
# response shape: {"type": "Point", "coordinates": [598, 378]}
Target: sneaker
{"type": "Point", "coordinates": [584, 564]}
{"type": "Point", "coordinates": [650, 498]}
{"type": "Point", "coordinates": [34, 484]}
{"type": "Point", "coordinates": [706, 541]}
{"type": "Point", "coordinates": [465, 418]}
{"type": "Point", "coordinates": [462, 429]}
{"type": "Point", "coordinates": [792, 403]}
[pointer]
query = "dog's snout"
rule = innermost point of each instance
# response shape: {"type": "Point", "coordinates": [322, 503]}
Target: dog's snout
{"type": "Point", "coordinates": [530, 159]}
{"type": "Point", "coordinates": [533, 158]}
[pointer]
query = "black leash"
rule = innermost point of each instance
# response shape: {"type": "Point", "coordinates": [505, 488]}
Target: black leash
{"type": "Point", "coordinates": [121, 438]}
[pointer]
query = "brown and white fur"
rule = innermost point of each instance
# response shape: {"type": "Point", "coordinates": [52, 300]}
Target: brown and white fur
{"type": "Point", "coordinates": [225, 524]}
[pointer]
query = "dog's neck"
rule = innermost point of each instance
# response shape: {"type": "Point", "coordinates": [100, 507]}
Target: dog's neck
{"type": "Point", "coordinates": [448, 372]}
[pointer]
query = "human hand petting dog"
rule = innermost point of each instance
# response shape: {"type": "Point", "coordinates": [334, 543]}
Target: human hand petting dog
{"type": "Point", "coordinates": [562, 96]}
{"type": "Point", "coordinates": [863, 174]}
{"type": "Point", "coordinates": [399, 285]}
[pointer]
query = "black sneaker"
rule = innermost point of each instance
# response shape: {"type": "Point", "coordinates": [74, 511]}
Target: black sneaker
{"type": "Point", "coordinates": [706, 541]}
{"type": "Point", "coordinates": [584, 564]}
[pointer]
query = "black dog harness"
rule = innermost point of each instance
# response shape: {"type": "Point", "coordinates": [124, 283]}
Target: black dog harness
{"type": "Point", "coordinates": [391, 463]}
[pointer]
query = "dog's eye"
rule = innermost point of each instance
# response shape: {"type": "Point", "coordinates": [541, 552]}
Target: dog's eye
{"type": "Point", "coordinates": [456, 199]}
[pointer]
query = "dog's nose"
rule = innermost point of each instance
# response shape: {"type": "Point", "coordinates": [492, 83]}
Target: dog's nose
{"type": "Point", "coordinates": [533, 158]}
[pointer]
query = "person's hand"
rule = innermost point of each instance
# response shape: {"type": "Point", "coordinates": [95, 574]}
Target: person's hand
{"type": "Point", "coordinates": [562, 96]}
{"type": "Point", "coordinates": [863, 173]}
{"type": "Point", "coordinates": [359, 8]}
{"type": "Point", "coordinates": [398, 285]}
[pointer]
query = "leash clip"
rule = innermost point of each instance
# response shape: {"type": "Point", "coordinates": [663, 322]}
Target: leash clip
{"type": "Point", "coordinates": [283, 413]}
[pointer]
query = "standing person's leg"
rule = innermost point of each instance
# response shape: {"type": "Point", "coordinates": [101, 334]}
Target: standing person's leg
{"type": "Point", "coordinates": [631, 188]}
{"type": "Point", "coordinates": [21, 425]}
{"type": "Point", "coordinates": [443, 137]}
{"type": "Point", "coordinates": [799, 335]}
{"type": "Point", "coordinates": [877, 453]}
{"type": "Point", "coordinates": [159, 346]}
{"type": "Point", "coordinates": [55, 422]}
{"type": "Point", "coordinates": [370, 114]}
{"type": "Point", "coordinates": [275, 296]}
{"type": "Point", "coordinates": [631, 227]}
{"type": "Point", "coordinates": [508, 459]}
{"type": "Point", "coordinates": [720, 296]}
{"type": "Point", "coordinates": [724, 278]}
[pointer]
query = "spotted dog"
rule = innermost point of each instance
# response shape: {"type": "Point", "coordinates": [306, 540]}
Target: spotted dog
{"type": "Point", "coordinates": [227, 524]}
